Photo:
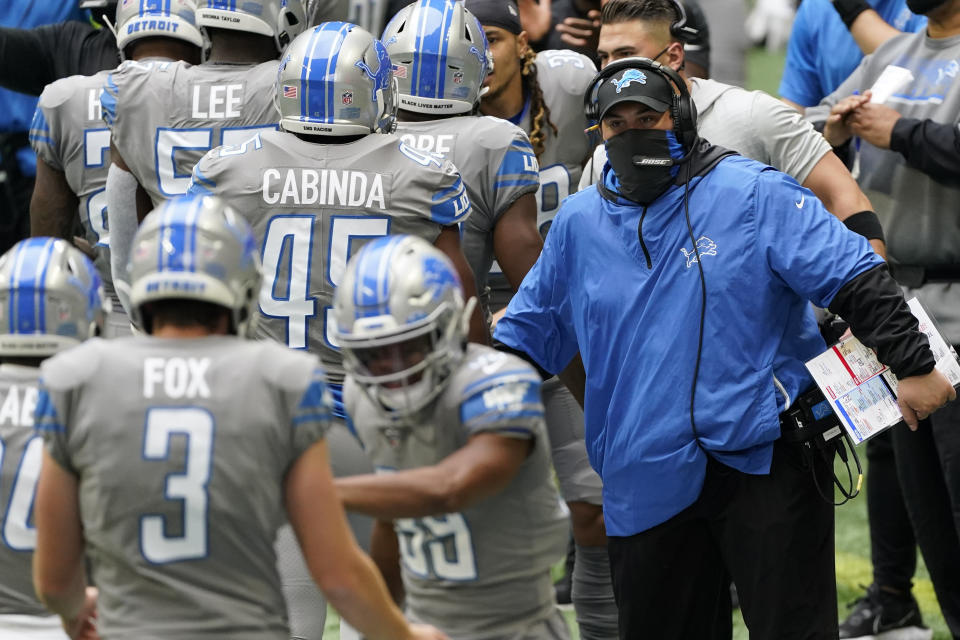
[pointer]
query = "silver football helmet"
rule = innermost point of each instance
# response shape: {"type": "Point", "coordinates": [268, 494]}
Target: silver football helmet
{"type": "Point", "coordinates": [51, 298]}
{"type": "Point", "coordinates": [282, 20]}
{"type": "Point", "coordinates": [335, 80]}
{"type": "Point", "coordinates": [439, 54]}
{"type": "Point", "coordinates": [152, 18]}
{"type": "Point", "coordinates": [196, 248]}
{"type": "Point", "coordinates": [401, 321]}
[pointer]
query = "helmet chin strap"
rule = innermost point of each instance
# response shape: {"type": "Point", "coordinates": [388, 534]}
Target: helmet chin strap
{"type": "Point", "coordinates": [467, 312]}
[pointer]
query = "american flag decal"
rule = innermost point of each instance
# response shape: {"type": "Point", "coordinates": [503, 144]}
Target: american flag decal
{"type": "Point", "coordinates": [399, 71]}
{"type": "Point", "coordinates": [289, 91]}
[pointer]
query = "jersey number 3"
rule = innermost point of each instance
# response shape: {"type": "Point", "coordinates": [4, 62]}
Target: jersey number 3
{"type": "Point", "coordinates": [189, 487]}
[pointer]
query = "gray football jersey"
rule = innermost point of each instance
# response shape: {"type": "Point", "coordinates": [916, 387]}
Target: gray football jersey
{"type": "Point", "coordinates": [165, 115]}
{"type": "Point", "coordinates": [483, 573]}
{"type": "Point", "coordinates": [180, 448]}
{"type": "Point", "coordinates": [21, 453]}
{"type": "Point", "coordinates": [497, 164]}
{"type": "Point", "coordinates": [564, 77]}
{"type": "Point", "coordinates": [68, 134]}
{"type": "Point", "coordinates": [313, 205]}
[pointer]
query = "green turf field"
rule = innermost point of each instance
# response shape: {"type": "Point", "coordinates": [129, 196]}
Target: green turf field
{"type": "Point", "coordinates": [852, 535]}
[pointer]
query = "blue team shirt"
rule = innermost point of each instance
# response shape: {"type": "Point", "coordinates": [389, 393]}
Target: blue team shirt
{"type": "Point", "coordinates": [767, 246]}
{"type": "Point", "coordinates": [822, 53]}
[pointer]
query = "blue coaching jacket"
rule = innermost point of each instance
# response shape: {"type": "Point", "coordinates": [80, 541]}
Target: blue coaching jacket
{"type": "Point", "coordinates": [767, 246]}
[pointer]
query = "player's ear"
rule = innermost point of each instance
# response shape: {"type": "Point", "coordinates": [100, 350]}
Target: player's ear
{"type": "Point", "coordinates": [675, 56]}
{"type": "Point", "coordinates": [522, 43]}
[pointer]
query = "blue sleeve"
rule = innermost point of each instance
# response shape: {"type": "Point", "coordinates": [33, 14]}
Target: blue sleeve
{"type": "Point", "coordinates": [507, 404]}
{"type": "Point", "coordinates": [517, 175]}
{"type": "Point", "coordinates": [800, 82]}
{"type": "Point", "coordinates": [108, 100]}
{"type": "Point", "coordinates": [804, 244]}
{"type": "Point", "coordinates": [539, 319]}
{"type": "Point", "coordinates": [311, 416]}
{"type": "Point", "coordinates": [451, 205]}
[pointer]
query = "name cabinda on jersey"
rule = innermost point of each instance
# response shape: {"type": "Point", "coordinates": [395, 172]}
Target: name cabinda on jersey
{"type": "Point", "coordinates": [482, 573]}
{"type": "Point", "coordinates": [564, 77]}
{"type": "Point", "coordinates": [165, 115]}
{"type": "Point", "coordinates": [497, 164]}
{"type": "Point", "coordinates": [181, 447]}
{"type": "Point", "coordinates": [312, 206]}
{"type": "Point", "coordinates": [68, 134]}
{"type": "Point", "coordinates": [21, 453]}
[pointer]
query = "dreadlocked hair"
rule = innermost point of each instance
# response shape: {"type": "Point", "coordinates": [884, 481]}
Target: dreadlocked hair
{"type": "Point", "coordinates": [540, 112]}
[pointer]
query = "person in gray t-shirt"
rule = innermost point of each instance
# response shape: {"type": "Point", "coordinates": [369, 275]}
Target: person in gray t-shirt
{"type": "Point", "coordinates": [35, 275]}
{"type": "Point", "coordinates": [172, 459]}
{"type": "Point", "coordinates": [457, 434]}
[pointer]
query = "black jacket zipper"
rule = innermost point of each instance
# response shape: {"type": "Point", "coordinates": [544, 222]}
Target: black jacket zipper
{"type": "Point", "coordinates": [646, 254]}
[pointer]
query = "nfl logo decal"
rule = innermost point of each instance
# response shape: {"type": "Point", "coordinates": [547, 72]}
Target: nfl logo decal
{"type": "Point", "coordinates": [346, 97]}
{"type": "Point", "coordinates": [399, 71]}
{"type": "Point", "coordinates": [289, 91]}
{"type": "Point", "coordinates": [458, 76]}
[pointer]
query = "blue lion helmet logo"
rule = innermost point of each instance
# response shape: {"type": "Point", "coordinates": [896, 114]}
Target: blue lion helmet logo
{"type": "Point", "coordinates": [629, 77]}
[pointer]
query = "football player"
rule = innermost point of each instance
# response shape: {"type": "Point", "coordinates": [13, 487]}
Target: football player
{"type": "Point", "coordinates": [457, 432]}
{"type": "Point", "coordinates": [164, 117]}
{"type": "Point", "coordinates": [440, 60]}
{"type": "Point", "coordinates": [73, 145]}
{"type": "Point", "coordinates": [543, 94]}
{"type": "Point", "coordinates": [51, 299]}
{"type": "Point", "coordinates": [172, 458]}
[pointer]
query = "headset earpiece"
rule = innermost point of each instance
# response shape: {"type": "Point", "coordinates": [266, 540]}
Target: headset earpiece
{"type": "Point", "coordinates": [679, 28]}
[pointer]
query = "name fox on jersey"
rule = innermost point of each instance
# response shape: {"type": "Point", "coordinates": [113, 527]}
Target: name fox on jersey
{"type": "Point", "coordinates": [18, 407]}
{"type": "Point", "coordinates": [178, 377]}
{"type": "Point", "coordinates": [299, 186]}
{"type": "Point", "coordinates": [152, 25]}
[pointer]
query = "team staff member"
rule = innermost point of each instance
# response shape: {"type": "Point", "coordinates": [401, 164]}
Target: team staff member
{"type": "Point", "coordinates": [749, 122]}
{"type": "Point", "coordinates": [909, 166]}
{"type": "Point", "coordinates": [712, 324]}
{"type": "Point", "coordinates": [826, 46]}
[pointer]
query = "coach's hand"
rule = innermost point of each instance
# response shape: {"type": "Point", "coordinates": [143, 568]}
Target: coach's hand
{"type": "Point", "coordinates": [874, 123]}
{"type": "Point", "coordinates": [919, 396]}
{"type": "Point", "coordinates": [837, 128]}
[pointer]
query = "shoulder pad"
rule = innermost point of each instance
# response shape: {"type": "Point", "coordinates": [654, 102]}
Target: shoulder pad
{"type": "Point", "coordinates": [73, 367]}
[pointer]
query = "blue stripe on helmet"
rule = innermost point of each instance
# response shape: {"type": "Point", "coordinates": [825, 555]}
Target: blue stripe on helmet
{"type": "Point", "coordinates": [30, 261]}
{"type": "Point", "coordinates": [319, 68]}
{"type": "Point", "coordinates": [371, 287]}
{"type": "Point", "coordinates": [445, 35]}
{"type": "Point", "coordinates": [40, 287]}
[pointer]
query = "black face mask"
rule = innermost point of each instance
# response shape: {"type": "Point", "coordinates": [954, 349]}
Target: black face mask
{"type": "Point", "coordinates": [921, 7]}
{"type": "Point", "coordinates": [645, 162]}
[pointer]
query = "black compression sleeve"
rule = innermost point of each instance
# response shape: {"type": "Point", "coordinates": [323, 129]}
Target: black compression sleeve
{"type": "Point", "coordinates": [866, 223]}
{"type": "Point", "coordinates": [878, 315]}
{"type": "Point", "coordinates": [499, 346]}
{"type": "Point", "coordinates": [930, 147]}
{"type": "Point", "coordinates": [849, 10]}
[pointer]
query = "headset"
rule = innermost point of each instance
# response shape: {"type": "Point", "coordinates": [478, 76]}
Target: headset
{"type": "Point", "coordinates": [682, 109]}
{"type": "Point", "coordinates": [679, 28]}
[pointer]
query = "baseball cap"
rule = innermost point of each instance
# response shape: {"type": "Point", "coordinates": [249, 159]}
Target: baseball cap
{"type": "Point", "coordinates": [635, 84]}
{"type": "Point", "coordinates": [496, 13]}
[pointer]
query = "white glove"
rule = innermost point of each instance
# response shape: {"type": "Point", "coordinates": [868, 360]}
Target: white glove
{"type": "Point", "coordinates": [770, 22]}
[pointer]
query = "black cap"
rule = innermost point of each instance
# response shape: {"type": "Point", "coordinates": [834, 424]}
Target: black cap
{"type": "Point", "coordinates": [635, 85]}
{"type": "Point", "coordinates": [496, 13]}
